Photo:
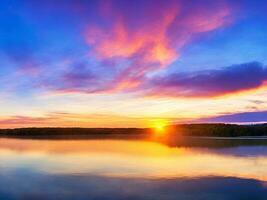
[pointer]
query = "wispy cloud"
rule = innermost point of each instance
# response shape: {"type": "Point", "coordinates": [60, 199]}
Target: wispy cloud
{"type": "Point", "coordinates": [66, 119]}
{"type": "Point", "coordinates": [127, 41]}
{"type": "Point", "coordinates": [153, 39]}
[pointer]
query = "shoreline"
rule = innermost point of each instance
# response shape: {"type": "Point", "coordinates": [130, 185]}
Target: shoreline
{"type": "Point", "coordinates": [208, 131]}
{"type": "Point", "coordinates": [129, 136]}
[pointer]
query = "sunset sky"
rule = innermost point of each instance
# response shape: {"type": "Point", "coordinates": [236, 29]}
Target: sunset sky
{"type": "Point", "coordinates": [131, 63]}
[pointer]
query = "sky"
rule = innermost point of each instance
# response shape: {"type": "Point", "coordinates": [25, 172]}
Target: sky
{"type": "Point", "coordinates": [120, 63]}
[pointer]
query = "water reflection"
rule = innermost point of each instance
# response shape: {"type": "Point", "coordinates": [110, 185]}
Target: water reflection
{"type": "Point", "coordinates": [142, 168]}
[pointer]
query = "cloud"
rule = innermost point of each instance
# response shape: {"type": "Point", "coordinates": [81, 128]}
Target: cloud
{"type": "Point", "coordinates": [244, 117]}
{"type": "Point", "coordinates": [210, 83]}
{"type": "Point", "coordinates": [23, 121]}
{"type": "Point", "coordinates": [66, 119]}
{"type": "Point", "coordinates": [136, 39]}
{"type": "Point", "coordinates": [150, 35]}
{"type": "Point", "coordinates": [75, 78]}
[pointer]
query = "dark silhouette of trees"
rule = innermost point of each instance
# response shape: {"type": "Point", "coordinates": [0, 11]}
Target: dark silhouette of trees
{"type": "Point", "coordinates": [221, 130]}
{"type": "Point", "coordinates": [211, 130]}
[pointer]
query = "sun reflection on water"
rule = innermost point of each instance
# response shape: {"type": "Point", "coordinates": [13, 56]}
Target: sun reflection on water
{"type": "Point", "coordinates": [127, 158]}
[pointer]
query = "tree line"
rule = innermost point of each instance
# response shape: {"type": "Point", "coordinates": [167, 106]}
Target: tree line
{"type": "Point", "coordinates": [211, 130]}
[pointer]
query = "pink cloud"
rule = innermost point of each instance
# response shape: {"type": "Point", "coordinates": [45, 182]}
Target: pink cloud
{"type": "Point", "coordinates": [152, 38]}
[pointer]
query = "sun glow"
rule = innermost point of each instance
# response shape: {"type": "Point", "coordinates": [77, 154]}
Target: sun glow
{"type": "Point", "coordinates": [159, 126]}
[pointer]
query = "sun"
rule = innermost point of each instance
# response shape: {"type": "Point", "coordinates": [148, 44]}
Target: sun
{"type": "Point", "coordinates": [159, 126]}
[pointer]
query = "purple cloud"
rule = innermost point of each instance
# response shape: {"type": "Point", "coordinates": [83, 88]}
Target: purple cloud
{"type": "Point", "coordinates": [235, 78]}
{"type": "Point", "coordinates": [245, 117]}
{"type": "Point", "coordinates": [139, 37]}
{"type": "Point", "coordinates": [152, 39]}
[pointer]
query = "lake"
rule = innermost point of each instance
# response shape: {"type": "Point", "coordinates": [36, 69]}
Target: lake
{"type": "Point", "coordinates": [125, 167]}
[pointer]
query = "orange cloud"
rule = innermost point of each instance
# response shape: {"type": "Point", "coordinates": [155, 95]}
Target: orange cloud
{"type": "Point", "coordinates": [58, 119]}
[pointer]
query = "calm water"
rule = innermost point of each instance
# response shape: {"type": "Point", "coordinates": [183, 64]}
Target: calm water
{"type": "Point", "coordinates": [116, 168]}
